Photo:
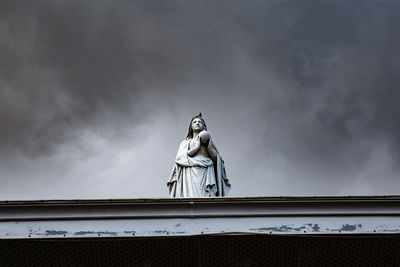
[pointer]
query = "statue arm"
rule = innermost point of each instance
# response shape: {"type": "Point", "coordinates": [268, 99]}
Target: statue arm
{"type": "Point", "coordinates": [212, 152]}
{"type": "Point", "coordinates": [192, 151]}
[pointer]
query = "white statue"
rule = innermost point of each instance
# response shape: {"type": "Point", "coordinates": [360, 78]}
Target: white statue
{"type": "Point", "coordinates": [199, 170]}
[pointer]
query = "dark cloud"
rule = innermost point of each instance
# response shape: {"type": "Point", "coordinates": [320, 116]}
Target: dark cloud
{"type": "Point", "coordinates": [310, 86]}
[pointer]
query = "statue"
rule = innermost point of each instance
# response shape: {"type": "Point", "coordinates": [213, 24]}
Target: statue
{"type": "Point", "coordinates": [199, 170]}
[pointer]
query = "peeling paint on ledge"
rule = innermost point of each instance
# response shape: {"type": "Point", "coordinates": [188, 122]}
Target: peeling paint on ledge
{"type": "Point", "coordinates": [283, 228]}
{"type": "Point", "coordinates": [315, 228]}
{"type": "Point", "coordinates": [349, 227]}
{"type": "Point", "coordinates": [83, 233]}
{"type": "Point", "coordinates": [54, 232]}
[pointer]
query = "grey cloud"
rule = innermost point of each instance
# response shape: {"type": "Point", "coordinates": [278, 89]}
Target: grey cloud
{"type": "Point", "coordinates": [312, 86]}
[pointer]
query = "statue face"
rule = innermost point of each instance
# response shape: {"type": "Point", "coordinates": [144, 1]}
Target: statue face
{"type": "Point", "coordinates": [197, 125]}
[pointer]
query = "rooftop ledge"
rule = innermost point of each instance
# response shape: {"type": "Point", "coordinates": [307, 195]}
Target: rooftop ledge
{"type": "Point", "coordinates": [293, 215]}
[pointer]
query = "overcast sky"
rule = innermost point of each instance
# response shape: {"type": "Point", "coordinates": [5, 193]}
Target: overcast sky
{"type": "Point", "coordinates": [301, 97]}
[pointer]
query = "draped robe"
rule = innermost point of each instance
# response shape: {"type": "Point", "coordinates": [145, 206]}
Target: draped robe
{"type": "Point", "coordinates": [197, 176]}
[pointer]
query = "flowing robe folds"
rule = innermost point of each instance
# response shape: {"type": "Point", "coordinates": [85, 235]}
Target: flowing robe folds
{"type": "Point", "coordinates": [197, 176]}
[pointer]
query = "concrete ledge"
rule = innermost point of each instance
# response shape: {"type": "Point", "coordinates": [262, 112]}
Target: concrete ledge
{"type": "Point", "coordinates": [185, 216]}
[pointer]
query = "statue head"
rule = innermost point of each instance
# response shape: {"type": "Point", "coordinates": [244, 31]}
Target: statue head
{"type": "Point", "coordinates": [197, 123]}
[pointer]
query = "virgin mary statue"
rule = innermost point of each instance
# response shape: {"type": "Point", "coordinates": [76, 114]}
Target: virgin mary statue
{"type": "Point", "coordinates": [199, 170]}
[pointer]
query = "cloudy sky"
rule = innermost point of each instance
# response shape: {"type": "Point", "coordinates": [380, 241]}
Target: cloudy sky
{"type": "Point", "coordinates": [301, 97]}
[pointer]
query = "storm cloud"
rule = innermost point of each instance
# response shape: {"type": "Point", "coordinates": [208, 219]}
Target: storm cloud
{"type": "Point", "coordinates": [301, 97]}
